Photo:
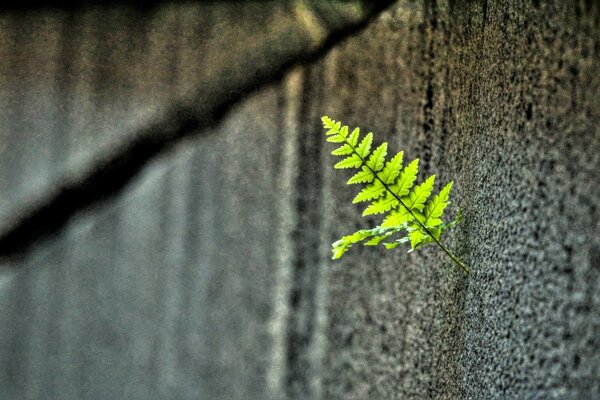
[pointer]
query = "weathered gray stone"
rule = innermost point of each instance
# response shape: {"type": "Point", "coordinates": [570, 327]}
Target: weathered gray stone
{"type": "Point", "coordinates": [172, 289]}
{"type": "Point", "coordinates": [208, 277]}
{"type": "Point", "coordinates": [106, 87]}
{"type": "Point", "coordinates": [502, 98]}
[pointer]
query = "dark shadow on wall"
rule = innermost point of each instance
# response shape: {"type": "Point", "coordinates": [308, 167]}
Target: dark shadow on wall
{"type": "Point", "coordinates": [115, 170]}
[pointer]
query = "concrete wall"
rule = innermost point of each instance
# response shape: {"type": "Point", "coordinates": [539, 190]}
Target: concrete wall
{"type": "Point", "coordinates": [204, 272]}
{"type": "Point", "coordinates": [502, 97]}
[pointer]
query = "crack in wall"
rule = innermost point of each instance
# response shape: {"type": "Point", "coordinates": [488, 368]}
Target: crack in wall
{"type": "Point", "coordinates": [111, 174]}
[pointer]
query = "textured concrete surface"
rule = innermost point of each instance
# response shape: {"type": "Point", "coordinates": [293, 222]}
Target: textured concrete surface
{"type": "Point", "coordinates": [503, 98]}
{"type": "Point", "coordinates": [208, 276]}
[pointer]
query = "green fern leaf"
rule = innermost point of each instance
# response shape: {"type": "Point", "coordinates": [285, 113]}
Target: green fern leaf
{"type": "Point", "coordinates": [392, 168]}
{"type": "Point", "coordinates": [345, 243]}
{"type": "Point", "coordinates": [416, 237]}
{"type": "Point", "coordinates": [417, 240]}
{"type": "Point", "coordinates": [337, 138]}
{"type": "Point", "coordinates": [343, 151]}
{"type": "Point", "coordinates": [364, 148]}
{"type": "Point", "coordinates": [416, 199]}
{"type": "Point", "coordinates": [377, 239]}
{"type": "Point", "coordinates": [377, 159]}
{"type": "Point", "coordinates": [370, 192]}
{"type": "Point", "coordinates": [389, 189]}
{"type": "Point", "coordinates": [353, 161]}
{"type": "Point", "coordinates": [363, 176]}
{"type": "Point", "coordinates": [406, 179]}
{"type": "Point", "coordinates": [341, 246]}
{"type": "Point", "coordinates": [436, 232]}
{"type": "Point", "coordinates": [329, 124]}
{"type": "Point", "coordinates": [338, 251]}
{"type": "Point", "coordinates": [353, 139]}
{"type": "Point", "coordinates": [417, 216]}
{"type": "Point", "coordinates": [396, 218]}
{"type": "Point", "coordinates": [356, 236]}
{"type": "Point", "coordinates": [435, 207]}
{"type": "Point", "coordinates": [344, 132]}
{"type": "Point", "coordinates": [397, 242]}
{"type": "Point", "coordinates": [332, 126]}
{"type": "Point", "coordinates": [381, 205]}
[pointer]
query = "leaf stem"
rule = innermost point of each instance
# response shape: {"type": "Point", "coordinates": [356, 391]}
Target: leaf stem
{"type": "Point", "coordinates": [452, 256]}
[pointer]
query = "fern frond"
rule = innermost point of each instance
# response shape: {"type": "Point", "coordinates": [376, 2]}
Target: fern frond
{"type": "Point", "coordinates": [336, 138]}
{"type": "Point", "coordinates": [375, 162]}
{"type": "Point", "coordinates": [381, 205]}
{"type": "Point", "coordinates": [354, 161]}
{"type": "Point", "coordinates": [416, 199]}
{"type": "Point", "coordinates": [392, 169]}
{"type": "Point", "coordinates": [403, 184]}
{"type": "Point", "coordinates": [370, 192]}
{"type": "Point", "coordinates": [353, 139]}
{"type": "Point", "coordinates": [397, 242]}
{"type": "Point", "coordinates": [364, 148]}
{"type": "Point", "coordinates": [363, 176]}
{"type": "Point", "coordinates": [343, 151]}
{"type": "Point", "coordinates": [376, 235]}
{"type": "Point", "coordinates": [332, 126]}
{"type": "Point", "coordinates": [396, 218]}
{"type": "Point", "coordinates": [378, 239]}
{"type": "Point", "coordinates": [416, 237]}
{"type": "Point", "coordinates": [435, 207]}
{"type": "Point", "coordinates": [388, 188]}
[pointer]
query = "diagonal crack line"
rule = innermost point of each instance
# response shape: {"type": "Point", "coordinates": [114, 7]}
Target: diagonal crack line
{"type": "Point", "coordinates": [111, 174]}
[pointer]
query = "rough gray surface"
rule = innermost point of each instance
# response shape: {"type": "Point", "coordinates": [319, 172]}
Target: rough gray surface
{"type": "Point", "coordinates": [105, 88]}
{"type": "Point", "coordinates": [503, 98]}
{"type": "Point", "coordinates": [208, 277]}
{"type": "Point", "coordinates": [169, 291]}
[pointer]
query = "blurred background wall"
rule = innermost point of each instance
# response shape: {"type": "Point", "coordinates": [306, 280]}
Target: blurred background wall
{"type": "Point", "coordinates": [168, 201]}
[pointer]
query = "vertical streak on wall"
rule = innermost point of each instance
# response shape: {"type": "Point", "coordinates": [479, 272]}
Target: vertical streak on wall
{"type": "Point", "coordinates": [5, 52]}
{"type": "Point", "coordinates": [173, 228]}
{"type": "Point", "coordinates": [13, 125]}
{"type": "Point", "coordinates": [429, 28]}
{"type": "Point", "coordinates": [306, 263]}
{"type": "Point", "coordinates": [17, 337]}
{"type": "Point", "coordinates": [29, 37]}
{"type": "Point", "coordinates": [287, 220]}
{"type": "Point", "coordinates": [163, 28]}
{"type": "Point", "coordinates": [64, 86]}
{"type": "Point", "coordinates": [72, 283]}
{"type": "Point", "coordinates": [193, 49]}
{"type": "Point", "coordinates": [167, 294]}
{"type": "Point", "coordinates": [38, 41]}
{"type": "Point", "coordinates": [327, 221]}
{"type": "Point", "coordinates": [83, 71]}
